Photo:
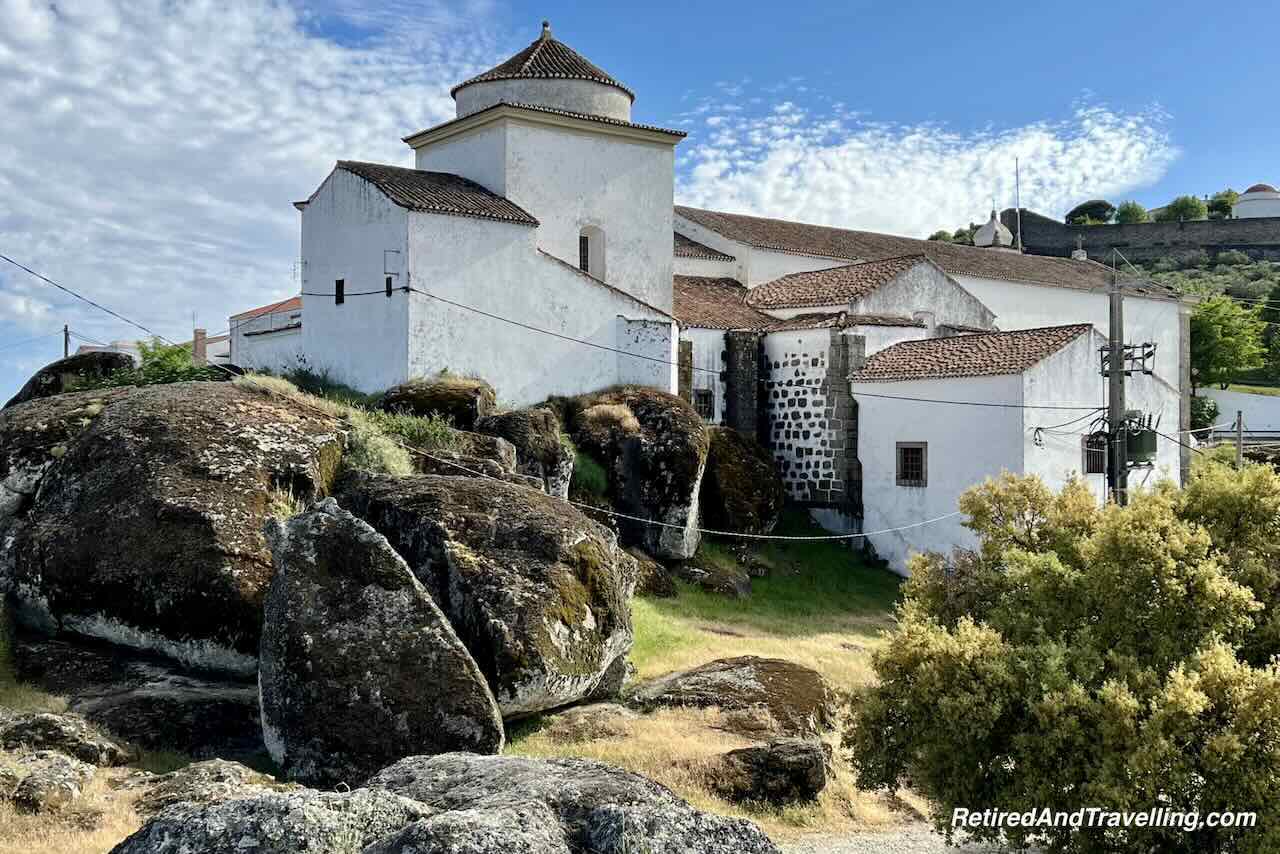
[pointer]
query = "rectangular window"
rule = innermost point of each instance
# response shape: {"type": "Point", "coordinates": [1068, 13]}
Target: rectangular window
{"type": "Point", "coordinates": [388, 286]}
{"type": "Point", "coordinates": [913, 463]}
{"type": "Point", "coordinates": [339, 291]}
{"type": "Point", "coordinates": [704, 402]}
{"type": "Point", "coordinates": [1095, 453]}
{"type": "Point", "coordinates": [584, 253]}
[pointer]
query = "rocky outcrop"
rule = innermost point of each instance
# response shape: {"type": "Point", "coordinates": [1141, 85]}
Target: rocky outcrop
{"type": "Point", "coordinates": [654, 446]}
{"type": "Point", "coordinates": [135, 516]}
{"type": "Point", "coordinates": [539, 594]}
{"type": "Point", "coordinates": [784, 771]}
{"type": "Point", "coordinates": [144, 699]}
{"type": "Point", "coordinates": [50, 781]}
{"type": "Point", "coordinates": [65, 733]}
{"type": "Point", "coordinates": [358, 666]}
{"type": "Point", "coordinates": [589, 722]}
{"type": "Point", "coordinates": [783, 696]}
{"type": "Point", "coordinates": [741, 490]}
{"type": "Point", "coordinates": [276, 823]}
{"type": "Point", "coordinates": [70, 374]}
{"type": "Point", "coordinates": [462, 400]}
{"type": "Point", "coordinates": [204, 783]}
{"type": "Point", "coordinates": [588, 806]}
{"type": "Point", "coordinates": [540, 450]}
{"type": "Point", "coordinates": [652, 578]}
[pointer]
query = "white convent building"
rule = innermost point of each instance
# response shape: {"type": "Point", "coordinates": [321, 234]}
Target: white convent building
{"type": "Point", "coordinates": [1258, 201]}
{"type": "Point", "coordinates": [536, 244]}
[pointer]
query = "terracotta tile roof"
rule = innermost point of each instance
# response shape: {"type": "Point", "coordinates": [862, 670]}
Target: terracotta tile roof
{"type": "Point", "coordinates": [291, 304]}
{"type": "Point", "coordinates": [687, 248]}
{"type": "Point", "coordinates": [831, 286]}
{"type": "Point", "coordinates": [842, 243]}
{"type": "Point", "coordinates": [438, 192]}
{"type": "Point", "coordinates": [840, 320]}
{"type": "Point", "coordinates": [712, 303]}
{"type": "Point", "coordinates": [538, 108]}
{"type": "Point", "coordinates": [978, 355]}
{"type": "Point", "coordinates": [1260, 188]}
{"type": "Point", "coordinates": [546, 59]}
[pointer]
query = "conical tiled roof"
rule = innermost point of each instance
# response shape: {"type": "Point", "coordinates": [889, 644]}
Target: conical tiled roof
{"type": "Point", "coordinates": [546, 59]}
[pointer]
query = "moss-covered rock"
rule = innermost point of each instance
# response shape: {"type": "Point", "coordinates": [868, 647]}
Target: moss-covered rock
{"type": "Point", "coordinates": [652, 578]}
{"type": "Point", "coordinates": [540, 594]}
{"type": "Point", "coordinates": [540, 449]}
{"type": "Point", "coordinates": [358, 665]}
{"type": "Point", "coordinates": [741, 490]}
{"type": "Point", "coordinates": [462, 400]}
{"type": "Point", "coordinates": [654, 446]}
{"type": "Point", "coordinates": [135, 515]}
{"type": "Point", "coordinates": [70, 374]}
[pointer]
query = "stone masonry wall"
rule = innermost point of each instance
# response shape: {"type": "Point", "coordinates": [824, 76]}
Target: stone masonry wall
{"type": "Point", "coordinates": [812, 424]}
{"type": "Point", "coordinates": [742, 382]}
{"type": "Point", "coordinates": [1147, 241]}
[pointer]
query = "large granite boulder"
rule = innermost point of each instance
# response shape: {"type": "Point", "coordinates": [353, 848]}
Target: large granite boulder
{"type": "Point", "coordinates": [208, 782]}
{"type": "Point", "coordinates": [772, 694]}
{"type": "Point", "coordinates": [539, 593]}
{"type": "Point", "coordinates": [135, 516]}
{"type": "Point", "coordinates": [50, 781]}
{"type": "Point", "coordinates": [784, 771]}
{"type": "Point", "coordinates": [276, 823]}
{"type": "Point", "coordinates": [144, 699]}
{"type": "Point", "coordinates": [70, 374]}
{"type": "Point", "coordinates": [654, 446]}
{"type": "Point", "coordinates": [65, 733]}
{"type": "Point", "coordinates": [358, 667]}
{"type": "Point", "coordinates": [462, 400]}
{"type": "Point", "coordinates": [741, 490]}
{"type": "Point", "coordinates": [540, 450]}
{"type": "Point", "coordinates": [573, 805]}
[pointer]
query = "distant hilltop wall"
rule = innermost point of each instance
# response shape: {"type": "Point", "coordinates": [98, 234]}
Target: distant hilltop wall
{"type": "Point", "coordinates": [1259, 237]}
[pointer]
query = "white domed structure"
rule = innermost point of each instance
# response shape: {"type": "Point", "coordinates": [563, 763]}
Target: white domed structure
{"type": "Point", "coordinates": [1258, 201]}
{"type": "Point", "coordinates": [547, 73]}
{"type": "Point", "coordinates": [994, 234]}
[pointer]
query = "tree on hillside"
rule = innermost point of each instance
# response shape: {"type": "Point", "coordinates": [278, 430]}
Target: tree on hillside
{"type": "Point", "coordinates": [1226, 340]}
{"type": "Point", "coordinates": [1270, 314]}
{"type": "Point", "coordinates": [1183, 208]}
{"type": "Point", "coordinates": [1113, 657]}
{"type": "Point", "coordinates": [942, 236]}
{"type": "Point", "coordinates": [1092, 212]}
{"type": "Point", "coordinates": [1222, 203]}
{"type": "Point", "coordinates": [964, 236]}
{"type": "Point", "coordinates": [1131, 212]}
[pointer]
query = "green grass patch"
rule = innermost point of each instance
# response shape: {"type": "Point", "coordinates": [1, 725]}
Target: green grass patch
{"type": "Point", "coordinates": [429, 433]}
{"type": "Point", "coordinates": [589, 477]}
{"type": "Point", "coordinates": [1270, 391]}
{"type": "Point", "coordinates": [15, 695]}
{"type": "Point", "coordinates": [320, 384]}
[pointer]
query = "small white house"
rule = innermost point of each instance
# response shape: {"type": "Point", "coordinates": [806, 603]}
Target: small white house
{"type": "Point", "coordinates": [268, 338]}
{"type": "Point", "coordinates": [919, 455]}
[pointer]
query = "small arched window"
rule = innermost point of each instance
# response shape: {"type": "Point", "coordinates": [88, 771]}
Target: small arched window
{"type": "Point", "coordinates": [591, 251]}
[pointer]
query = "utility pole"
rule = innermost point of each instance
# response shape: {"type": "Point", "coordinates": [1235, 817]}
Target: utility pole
{"type": "Point", "coordinates": [1117, 464]}
{"type": "Point", "coordinates": [66, 340]}
{"type": "Point", "coordinates": [1239, 439]}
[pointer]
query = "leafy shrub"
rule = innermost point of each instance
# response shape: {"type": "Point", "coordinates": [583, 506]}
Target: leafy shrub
{"type": "Point", "coordinates": [161, 364]}
{"type": "Point", "coordinates": [1087, 657]}
{"type": "Point", "coordinates": [1131, 212]}
{"type": "Point", "coordinates": [589, 479]}
{"type": "Point", "coordinates": [1233, 256]}
{"type": "Point", "coordinates": [429, 433]}
{"type": "Point", "coordinates": [1183, 208]}
{"type": "Point", "coordinates": [1204, 412]}
{"type": "Point", "coordinates": [1165, 265]}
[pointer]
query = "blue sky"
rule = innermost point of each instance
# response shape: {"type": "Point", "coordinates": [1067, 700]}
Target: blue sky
{"type": "Point", "coordinates": [160, 144]}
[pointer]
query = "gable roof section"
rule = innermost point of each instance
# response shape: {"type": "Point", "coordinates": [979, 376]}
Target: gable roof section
{"type": "Point", "coordinates": [847, 244]}
{"type": "Point", "coordinates": [602, 283]}
{"type": "Point", "coordinates": [840, 320]}
{"type": "Point", "coordinates": [438, 192]}
{"type": "Point", "coordinates": [831, 286]}
{"type": "Point", "coordinates": [688, 248]}
{"type": "Point", "coordinates": [711, 303]}
{"type": "Point", "coordinates": [291, 304]}
{"type": "Point", "coordinates": [978, 355]}
{"type": "Point", "coordinates": [546, 59]}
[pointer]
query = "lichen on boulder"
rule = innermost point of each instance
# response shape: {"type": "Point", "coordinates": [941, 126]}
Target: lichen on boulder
{"type": "Point", "coordinates": [358, 666]}
{"type": "Point", "coordinates": [538, 592]}
{"type": "Point", "coordinates": [135, 516]}
{"type": "Point", "coordinates": [69, 374]}
{"type": "Point", "coordinates": [462, 400]}
{"type": "Point", "coordinates": [654, 446]}
{"type": "Point", "coordinates": [741, 490]}
{"type": "Point", "coordinates": [540, 449]}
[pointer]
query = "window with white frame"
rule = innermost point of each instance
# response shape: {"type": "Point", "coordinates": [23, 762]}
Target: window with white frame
{"type": "Point", "coordinates": [913, 464]}
{"type": "Point", "coordinates": [591, 251]}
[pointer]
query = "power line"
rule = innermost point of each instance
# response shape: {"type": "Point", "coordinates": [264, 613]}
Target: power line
{"type": "Point", "coordinates": [979, 403]}
{"type": "Point", "coordinates": [83, 299]}
{"type": "Point", "coordinates": [12, 344]}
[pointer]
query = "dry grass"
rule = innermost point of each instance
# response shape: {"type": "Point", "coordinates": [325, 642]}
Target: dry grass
{"type": "Point", "coordinates": [94, 824]}
{"type": "Point", "coordinates": [605, 422]}
{"type": "Point", "coordinates": [822, 607]}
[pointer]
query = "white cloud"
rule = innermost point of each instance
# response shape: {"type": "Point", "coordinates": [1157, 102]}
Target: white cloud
{"type": "Point", "coordinates": [151, 149]}
{"type": "Point", "coordinates": [837, 167]}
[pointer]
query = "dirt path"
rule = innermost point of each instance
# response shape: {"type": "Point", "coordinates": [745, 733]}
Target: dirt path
{"type": "Point", "coordinates": [915, 839]}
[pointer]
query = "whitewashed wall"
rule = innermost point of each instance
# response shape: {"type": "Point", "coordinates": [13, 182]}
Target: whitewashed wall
{"type": "Point", "coordinates": [271, 342]}
{"type": "Point", "coordinates": [496, 266]}
{"type": "Point", "coordinates": [966, 445]}
{"type": "Point", "coordinates": [479, 155]}
{"type": "Point", "coordinates": [346, 227]}
{"type": "Point", "coordinates": [704, 267]}
{"type": "Point", "coordinates": [576, 96]}
{"type": "Point", "coordinates": [708, 362]}
{"type": "Point", "coordinates": [1261, 411]}
{"type": "Point", "coordinates": [925, 288]}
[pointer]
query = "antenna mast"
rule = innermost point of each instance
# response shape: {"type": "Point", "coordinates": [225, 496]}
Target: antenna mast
{"type": "Point", "coordinates": [1017, 200]}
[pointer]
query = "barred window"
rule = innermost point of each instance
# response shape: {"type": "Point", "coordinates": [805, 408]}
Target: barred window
{"type": "Point", "coordinates": [913, 463]}
{"type": "Point", "coordinates": [704, 402]}
{"type": "Point", "coordinates": [584, 253]}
